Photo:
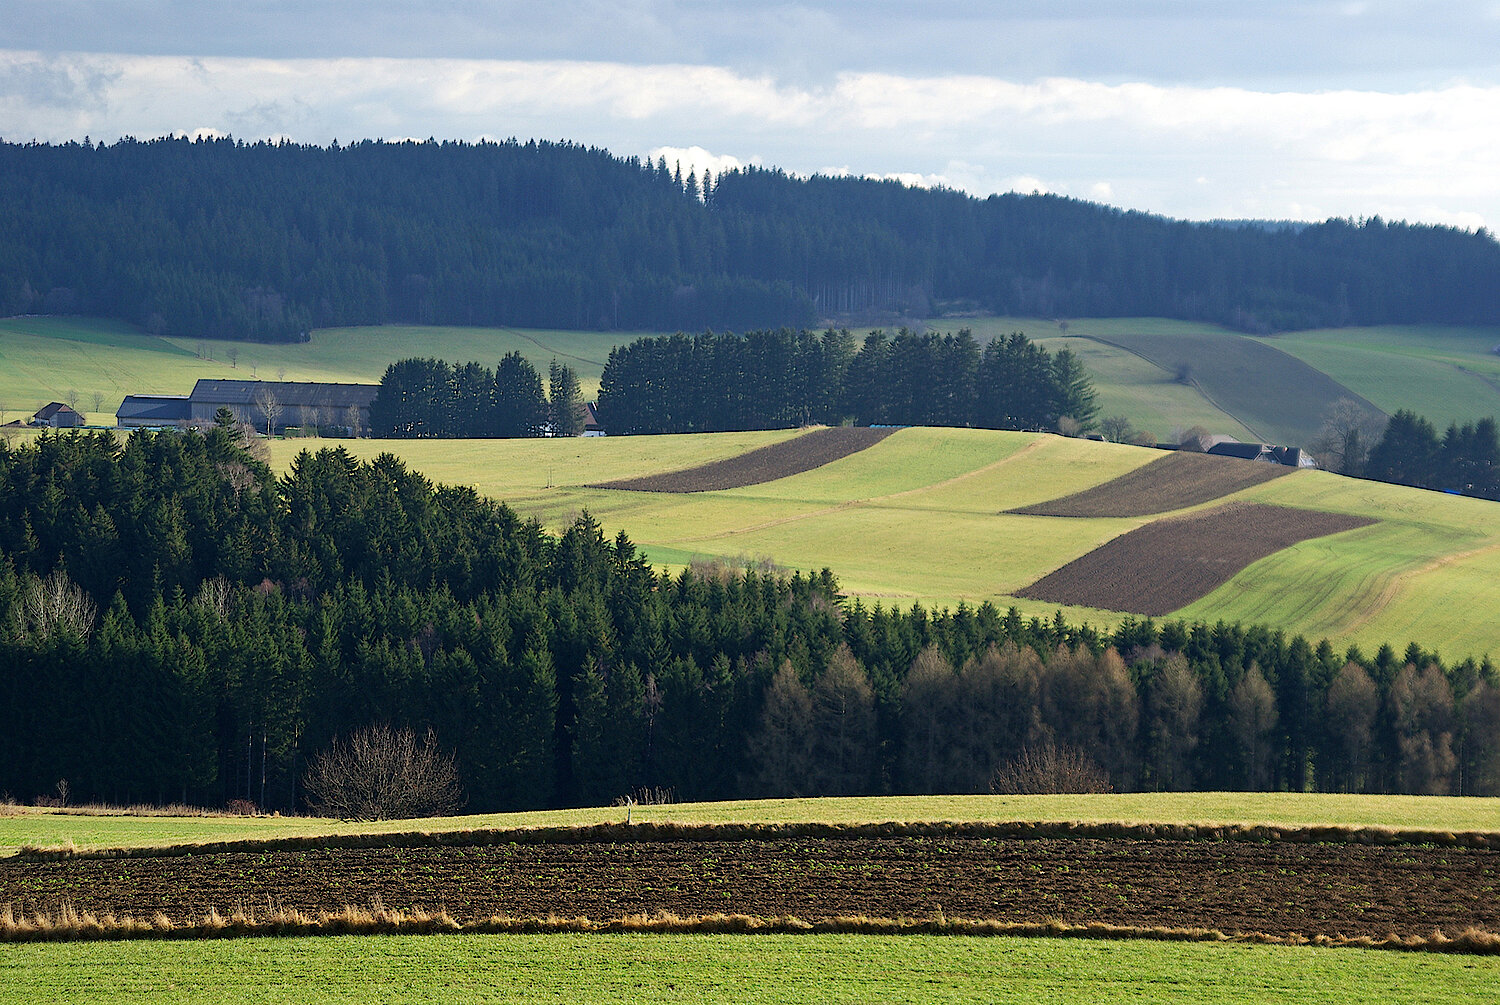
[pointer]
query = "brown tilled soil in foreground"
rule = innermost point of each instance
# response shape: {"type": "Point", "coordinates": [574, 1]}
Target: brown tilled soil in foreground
{"type": "Point", "coordinates": [1234, 886]}
{"type": "Point", "coordinates": [1168, 564]}
{"type": "Point", "coordinates": [1174, 481]}
{"type": "Point", "coordinates": [764, 464]}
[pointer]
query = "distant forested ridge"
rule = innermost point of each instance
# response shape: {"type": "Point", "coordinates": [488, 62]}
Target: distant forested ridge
{"type": "Point", "coordinates": [218, 238]}
{"type": "Point", "coordinates": [176, 623]}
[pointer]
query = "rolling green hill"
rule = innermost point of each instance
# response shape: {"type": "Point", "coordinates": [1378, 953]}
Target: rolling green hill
{"type": "Point", "coordinates": [920, 517]}
{"type": "Point", "coordinates": [46, 359]}
{"type": "Point", "coordinates": [1445, 373]}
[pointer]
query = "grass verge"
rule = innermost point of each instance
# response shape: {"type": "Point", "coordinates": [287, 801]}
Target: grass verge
{"type": "Point", "coordinates": [42, 829]}
{"type": "Point", "coordinates": [667, 968]}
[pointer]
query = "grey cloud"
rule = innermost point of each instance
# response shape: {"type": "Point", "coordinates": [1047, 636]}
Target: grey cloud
{"type": "Point", "coordinates": [1382, 45]}
{"type": "Point", "coordinates": [53, 85]}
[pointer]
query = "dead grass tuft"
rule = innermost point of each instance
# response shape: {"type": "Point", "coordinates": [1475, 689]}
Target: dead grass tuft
{"type": "Point", "coordinates": [68, 924]}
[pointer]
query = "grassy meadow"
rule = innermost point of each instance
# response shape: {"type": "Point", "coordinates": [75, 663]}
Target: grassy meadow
{"type": "Point", "coordinates": [40, 828]}
{"type": "Point", "coordinates": [1446, 373]}
{"type": "Point", "coordinates": [741, 968]}
{"type": "Point", "coordinates": [920, 517]}
{"type": "Point", "coordinates": [46, 359]}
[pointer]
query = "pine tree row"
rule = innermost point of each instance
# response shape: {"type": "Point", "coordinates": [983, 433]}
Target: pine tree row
{"type": "Point", "coordinates": [777, 379]}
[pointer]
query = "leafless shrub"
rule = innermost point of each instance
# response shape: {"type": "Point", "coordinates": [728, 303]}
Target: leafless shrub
{"type": "Point", "coordinates": [242, 808]}
{"type": "Point", "coordinates": [1048, 769]}
{"type": "Point", "coordinates": [380, 773]}
{"type": "Point", "coordinates": [1195, 438]}
{"type": "Point", "coordinates": [648, 795]}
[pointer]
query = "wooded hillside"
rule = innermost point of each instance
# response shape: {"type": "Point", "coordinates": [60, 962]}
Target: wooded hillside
{"type": "Point", "coordinates": [178, 624]}
{"type": "Point", "coordinates": [217, 238]}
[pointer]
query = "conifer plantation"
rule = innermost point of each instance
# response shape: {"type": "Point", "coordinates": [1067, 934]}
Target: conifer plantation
{"type": "Point", "coordinates": [178, 624]}
{"type": "Point", "coordinates": [216, 238]}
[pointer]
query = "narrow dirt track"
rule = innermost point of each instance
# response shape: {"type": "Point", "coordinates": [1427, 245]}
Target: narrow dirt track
{"type": "Point", "coordinates": [1232, 886]}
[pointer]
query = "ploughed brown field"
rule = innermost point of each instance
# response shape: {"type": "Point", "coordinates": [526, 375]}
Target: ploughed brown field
{"type": "Point", "coordinates": [1234, 886]}
{"type": "Point", "coordinates": [1167, 564]}
{"type": "Point", "coordinates": [1174, 481]}
{"type": "Point", "coordinates": [811, 450]}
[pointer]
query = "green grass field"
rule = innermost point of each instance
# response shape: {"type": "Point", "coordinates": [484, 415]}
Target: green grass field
{"type": "Point", "coordinates": [920, 518]}
{"type": "Point", "coordinates": [46, 359]}
{"type": "Point", "coordinates": [1446, 373]}
{"type": "Point", "coordinates": [1284, 809]}
{"type": "Point", "coordinates": [721, 968]}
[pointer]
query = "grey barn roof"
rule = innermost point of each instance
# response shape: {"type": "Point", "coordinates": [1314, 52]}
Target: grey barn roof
{"type": "Point", "coordinates": [288, 393]}
{"type": "Point", "coordinates": [154, 408]}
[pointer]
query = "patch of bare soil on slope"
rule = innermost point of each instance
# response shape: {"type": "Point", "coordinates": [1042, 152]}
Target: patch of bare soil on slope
{"type": "Point", "coordinates": [1167, 564]}
{"type": "Point", "coordinates": [1174, 481]}
{"type": "Point", "coordinates": [764, 464]}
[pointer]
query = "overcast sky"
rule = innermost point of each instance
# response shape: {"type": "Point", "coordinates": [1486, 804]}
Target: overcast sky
{"type": "Point", "coordinates": [1188, 108]}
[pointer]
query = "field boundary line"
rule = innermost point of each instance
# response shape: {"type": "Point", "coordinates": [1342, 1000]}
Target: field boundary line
{"type": "Point", "coordinates": [1035, 445]}
{"type": "Point", "coordinates": [1193, 383]}
{"type": "Point", "coordinates": [670, 832]}
{"type": "Point", "coordinates": [1398, 581]}
{"type": "Point", "coordinates": [870, 502]}
{"type": "Point", "coordinates": [68, 925]}
{"type": "Point", "coordinates": [546, 348]}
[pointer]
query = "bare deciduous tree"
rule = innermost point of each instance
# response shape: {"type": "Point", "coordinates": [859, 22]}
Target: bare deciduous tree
{"type": "Point", "coordinates": [1116, 428]}
{"type": "Point", "coordinates": [1349, 431]}
{"type": "Point", "coordinates": [380, 773]}
{"type": "Point", "coordinates": [270, 407]}
{"type": "Point", "coordinates": [55, 604]}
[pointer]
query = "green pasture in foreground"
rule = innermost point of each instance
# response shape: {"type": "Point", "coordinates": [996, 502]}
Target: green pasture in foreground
{"type": "Point", "coordinates": [741, 968]}
{"type": "Point", "coordinates": [1285, 809]}
{"type": "Point", "coordinates": [920, 517]}
{"type": "Point", "coordinates": [43, 359]}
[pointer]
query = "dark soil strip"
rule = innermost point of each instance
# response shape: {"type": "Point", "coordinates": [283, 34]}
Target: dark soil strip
{"type": "Point", "coordinates": [1174, 481]}
{"type": "Point", "coordinates": [1275, 888]}
{"type": "Point", "coordinates": [1168, 564]}
{"type": "Point", "coordinates": [763, 464]}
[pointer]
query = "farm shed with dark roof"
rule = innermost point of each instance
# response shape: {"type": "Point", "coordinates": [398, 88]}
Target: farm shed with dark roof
{"type": "Point", "coordinates": [57, 415]}
{"type": "Point", "coordinates": [139, 411]}
{"type": "Point", "coordinates": [292, 403]}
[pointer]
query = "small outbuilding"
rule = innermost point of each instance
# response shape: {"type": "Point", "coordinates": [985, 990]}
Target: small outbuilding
{"type": "Point", "coordinates": [1292, 457]}
{"type": "Point", "coordinates": [56, 415]}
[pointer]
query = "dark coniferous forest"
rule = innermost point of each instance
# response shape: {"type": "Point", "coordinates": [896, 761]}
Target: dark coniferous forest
{"type": "Point", "coordinates": [218, 238]}
{"type": "Point", "coordinates": [178, 624]}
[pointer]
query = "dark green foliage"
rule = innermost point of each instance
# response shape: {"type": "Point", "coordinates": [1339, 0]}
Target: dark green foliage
{"type": "Point", "coordinates": [431, 398]}
{"type": "Point", "coordinates": [218, 238]}
{"type": "Point", "coordinates": [1466, 460]}
{"type": "Point", "coordinates": [226, 625]}
{"type": "Point", "coordinates": [779, 379]}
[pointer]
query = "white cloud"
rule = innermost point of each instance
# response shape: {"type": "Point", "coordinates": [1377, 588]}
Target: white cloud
{"type": "Point", "coordinates": [1426, 154]}
{"type": "Point", "coordinates": [697, 160]}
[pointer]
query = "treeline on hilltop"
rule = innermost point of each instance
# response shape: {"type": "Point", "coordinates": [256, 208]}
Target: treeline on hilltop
{"type": "Point", "coordinates": [218, 238]}
{"type": "Point", "coordinates": [775, 379]}
{"type": "Point", "coordinates": [432, 398]}
{"type": "Point", "coordinates": [1465, 459]}
{"type": "Point", "coordinates": [178, 624]}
